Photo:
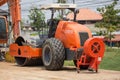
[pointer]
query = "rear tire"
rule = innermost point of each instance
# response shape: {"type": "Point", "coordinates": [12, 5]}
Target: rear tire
{"type": "Point", "coordinates": [53, 54]}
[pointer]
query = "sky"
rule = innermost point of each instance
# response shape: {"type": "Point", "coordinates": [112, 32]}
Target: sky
{"type": "Point", "coordinates": [92, 4]}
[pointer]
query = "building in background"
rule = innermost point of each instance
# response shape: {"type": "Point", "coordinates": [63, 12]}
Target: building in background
{"type": "Point", "coordinates": [87, 17]}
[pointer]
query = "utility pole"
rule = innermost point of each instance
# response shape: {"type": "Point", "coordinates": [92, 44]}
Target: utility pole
{"type": "Point", "coordinates": [73, 1]}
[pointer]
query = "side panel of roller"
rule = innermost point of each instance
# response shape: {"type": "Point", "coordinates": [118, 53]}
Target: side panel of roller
{"type": "Point", "coordinates": [25, 51]}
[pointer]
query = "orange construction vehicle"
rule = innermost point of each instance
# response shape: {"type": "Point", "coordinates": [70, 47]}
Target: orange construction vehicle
{"type": "Point", "coordinates": [14, 8]}
{"type": "Point", "coordinates": [3, 36]}
{"type": "Point", "coordinates": [3, 30]}
{"type": "Point", "coordinates": [66, 40]}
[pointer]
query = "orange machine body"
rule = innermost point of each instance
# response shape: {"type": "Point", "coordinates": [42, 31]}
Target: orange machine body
{"type": "Point", "coordinates": [3, 2]}
{"type": "Point", "coordinates": [68, 33]}
{"type": "Point", "coordinates": [73, 37]}
{"type": "Point", "coordinates": [93, 48]}
{"type": "Point", "coordinates": [25, 51]}
{"type": "Point", "coordinates": [6, 32]}
{"type": "Point", "coordinates": [15, 12]}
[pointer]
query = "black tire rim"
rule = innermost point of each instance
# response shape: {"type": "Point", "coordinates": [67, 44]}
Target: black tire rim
{"type": "Point", "coordinates": [47, 55]}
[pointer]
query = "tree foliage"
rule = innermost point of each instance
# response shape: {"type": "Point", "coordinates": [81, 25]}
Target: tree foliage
{"type": "Point", "coordinates": [111, 19]}
{"type": "Point", "coordinates": [22, 23]}
{"type": "Point", "coordinates": [37, 18]}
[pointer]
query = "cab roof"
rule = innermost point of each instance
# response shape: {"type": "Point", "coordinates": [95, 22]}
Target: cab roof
{"type": "Point", "coordinates": [58, 6]}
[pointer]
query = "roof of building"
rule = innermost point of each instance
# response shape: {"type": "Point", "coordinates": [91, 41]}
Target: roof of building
{"type": "Point", "coordinates": [85, 14]}
{"type": "Point", "coordinates": [116, 37]}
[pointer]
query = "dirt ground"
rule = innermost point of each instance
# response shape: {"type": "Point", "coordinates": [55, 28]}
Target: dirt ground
{"type": "Point", "coordinates": [10, 71]}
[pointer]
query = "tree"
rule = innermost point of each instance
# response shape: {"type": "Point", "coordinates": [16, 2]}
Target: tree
{"type": "Point", "coordinates": [37, 18]}
{"type": "Point", "coordinates": [22, 23]}
{"type": "Point", "coordinates": [111, 19]}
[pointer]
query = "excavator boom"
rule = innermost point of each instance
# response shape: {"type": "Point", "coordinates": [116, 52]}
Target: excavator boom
{"type": "Point", "coordinates": [2, 2]}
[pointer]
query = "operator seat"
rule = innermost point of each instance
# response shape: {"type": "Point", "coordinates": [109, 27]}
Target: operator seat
{"type": "Point", "coordinates": [52, 24]}
{"type": "Point", "coordinates": [52, 27]}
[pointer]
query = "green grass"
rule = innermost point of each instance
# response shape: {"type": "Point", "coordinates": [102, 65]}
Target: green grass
{"type": "Point", "coordinates": [68, 63]}
{"type": "Point", "coordinates": [111, 60]}
{"type": "Point", "coordinates": [33, 34]}
{"type": "Point", "coordinates": [36, 33]}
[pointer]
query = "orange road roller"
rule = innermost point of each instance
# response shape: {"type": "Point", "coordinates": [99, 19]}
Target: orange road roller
{"type": "Point", "coordinates": [66, 40]}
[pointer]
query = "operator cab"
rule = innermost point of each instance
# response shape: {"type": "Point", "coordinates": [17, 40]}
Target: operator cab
{"type": "Point", "coordinates": [53, 22]}
{"type": "Point", "coordinates": [3, 30]}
